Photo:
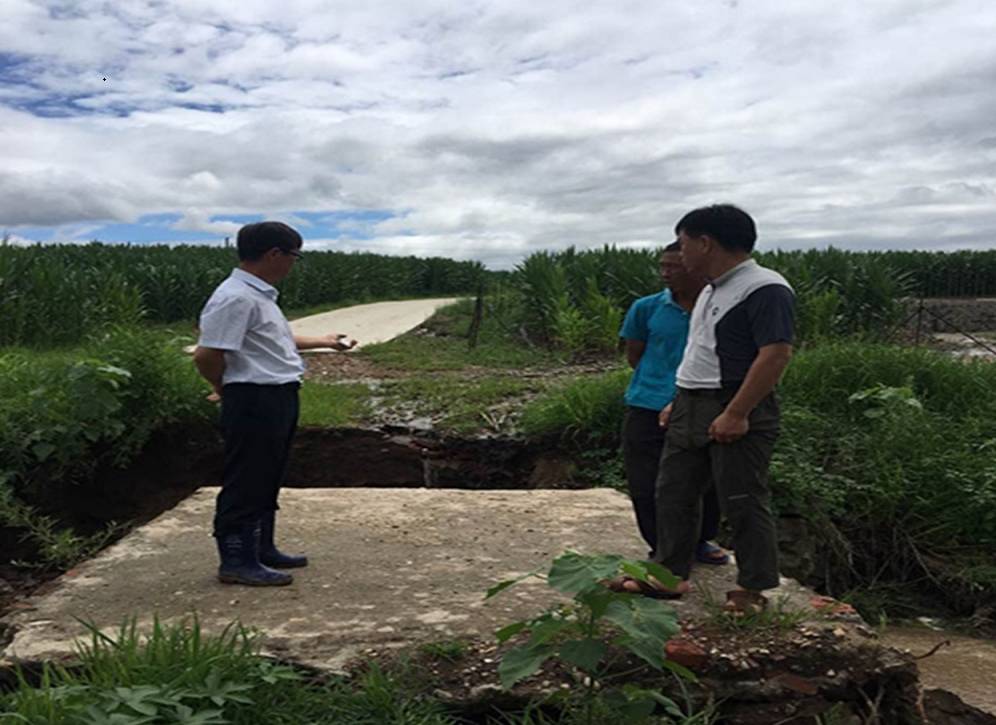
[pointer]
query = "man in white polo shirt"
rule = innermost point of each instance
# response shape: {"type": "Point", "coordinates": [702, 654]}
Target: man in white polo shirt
{"type": "Point", "coordinates": [249, 355]}
{"type": "Point", "coordinates": [725, 418]}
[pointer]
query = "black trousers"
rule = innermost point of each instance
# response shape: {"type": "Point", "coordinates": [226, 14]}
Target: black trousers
{"type": "Point", "coordinates": [643, 443]}
{"type": "Point", "coordinates": [739, 471]}
{"type": "Point", "coordinates": [258, 424]}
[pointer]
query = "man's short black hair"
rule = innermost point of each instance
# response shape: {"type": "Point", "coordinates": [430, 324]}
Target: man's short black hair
{"type": "Point", "coordinates": [672, 247]}
{"type": "Point", "coordinates": [257, 239]}
{"type": "Point", "coordinates": [731, 226]}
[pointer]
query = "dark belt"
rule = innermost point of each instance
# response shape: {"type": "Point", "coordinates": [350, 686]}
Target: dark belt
{"type": "Point", "coordinates": [290, 386]}
{"type": "Point", "coordinates": [708, 392]}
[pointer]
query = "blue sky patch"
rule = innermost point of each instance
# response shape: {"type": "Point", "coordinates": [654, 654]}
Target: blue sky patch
{"type": "Point", "coordinates": [154, 228]}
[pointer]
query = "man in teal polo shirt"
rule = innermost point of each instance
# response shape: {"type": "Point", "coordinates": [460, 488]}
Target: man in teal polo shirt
{"type": "Point", "coordinates": [655, 331]}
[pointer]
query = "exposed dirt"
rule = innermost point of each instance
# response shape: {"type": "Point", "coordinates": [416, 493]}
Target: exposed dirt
{"type": "Point", "coordinates": [757, 678]}
{"type": "Point", "coordinates": [349, 367]}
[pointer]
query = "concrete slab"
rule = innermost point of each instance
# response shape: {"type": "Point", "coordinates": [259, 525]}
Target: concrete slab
{"type": "Point", "coordinates": [390, 567]}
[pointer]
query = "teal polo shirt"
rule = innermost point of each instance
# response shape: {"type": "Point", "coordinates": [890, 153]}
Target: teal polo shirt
{"type": "Point", "coordinates": [661, 323]}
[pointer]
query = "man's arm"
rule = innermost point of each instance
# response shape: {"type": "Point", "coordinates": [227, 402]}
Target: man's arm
{"type": "Point", "coordinates": [335, 340]}
{"type": "Point", "coordinates": [634, 351]}
{"type": "Point", "coordinates": [763, 376]}
{"type": "Point", "coordinates": [210, 363]}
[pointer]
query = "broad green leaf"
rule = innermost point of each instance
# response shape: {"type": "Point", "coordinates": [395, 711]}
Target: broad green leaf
{"type": "Point", "coordinates": [585, 653]}
{"type": "Point", "coordinates": [503, 585]}
{"type": "Point", "coordinates": [680, 670]}
{"type": "Point", "coordinates": [548, 629]}
{"type": "Point", "coordinates": [572, 572]}
{"type": "Point", "coordinates": [598, 599]}
{"type": "Point", "coordinates": [629, 708]}
{"type": "Point", "coordinates": [647, 649]}
{"type": "Point", "coordinates": [644, 569]}
{"type": "Point", "coordinates": [521, 662]}
{"type": "Point", "coordinates": [634, 692]}
{"type": "Point", "coordinates": [506, 633]}
{"type": "Point", "coordinates": [500, 587]}
{"type": "Point", "coordinates": [641, 618]}
{"type": "Point", "coordinates": [42, 450]}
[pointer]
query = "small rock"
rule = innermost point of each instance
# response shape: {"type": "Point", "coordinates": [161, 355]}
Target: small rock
{"type": "Point", "coordinates": [481, 690]}
{"type": "Point", "coordinates": [686, 653]}
{"type": "Point", "coordinates": [798, 684]}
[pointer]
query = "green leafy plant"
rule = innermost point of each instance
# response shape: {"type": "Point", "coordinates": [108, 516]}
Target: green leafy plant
{"type": "Point", "coordinates": [450, 650]}
{"type": "Point", "coordinates": [597, 628]}
{"type": "Point", "coordinates": [881, 400]}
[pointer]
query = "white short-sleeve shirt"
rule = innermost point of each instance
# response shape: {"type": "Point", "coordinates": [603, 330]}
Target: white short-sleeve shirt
{"type": "Point", "coordinates": [243, 319]}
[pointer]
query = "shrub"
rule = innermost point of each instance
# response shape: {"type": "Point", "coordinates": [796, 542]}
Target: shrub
{"type": "Point", "coordinates": [66, 412]}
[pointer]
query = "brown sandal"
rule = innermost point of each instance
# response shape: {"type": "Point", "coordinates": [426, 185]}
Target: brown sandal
{"type": "Point", "coordinates": [741, 601]}
{"type": "Point", "coordinates": [631, 585]}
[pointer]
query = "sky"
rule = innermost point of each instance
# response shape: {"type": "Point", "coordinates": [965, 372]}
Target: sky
{"type": "Point", "coordinates": [489, 130]}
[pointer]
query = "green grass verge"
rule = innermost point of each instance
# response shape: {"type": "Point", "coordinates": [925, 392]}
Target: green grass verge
{"type": "Point", "coordinates": [334, 405]}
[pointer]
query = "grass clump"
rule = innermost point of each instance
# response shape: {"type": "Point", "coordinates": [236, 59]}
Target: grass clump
{"type": "Point", "coordinates": [178, 673]}
{"type": "Point", "coordinates": [584, 410]}
{"type": "Point", "coordinates": [450, 650]}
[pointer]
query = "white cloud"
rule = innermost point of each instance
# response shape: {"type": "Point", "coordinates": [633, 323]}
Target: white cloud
{"type": "Point", "coordinates": [493, 130]}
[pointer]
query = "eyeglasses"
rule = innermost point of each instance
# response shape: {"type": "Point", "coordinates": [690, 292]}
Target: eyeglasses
{"type": "Point", "coordinates": [293, 253]}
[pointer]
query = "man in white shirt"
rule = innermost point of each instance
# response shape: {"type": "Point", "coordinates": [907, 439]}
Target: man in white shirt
{"type": "Point", "coordinates": [249, 355]}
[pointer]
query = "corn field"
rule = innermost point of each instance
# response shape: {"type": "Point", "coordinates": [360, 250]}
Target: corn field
{"type": "Point", "coordinates": [57, 294]}
{"type": "Point", "coordinates": [577, 298]}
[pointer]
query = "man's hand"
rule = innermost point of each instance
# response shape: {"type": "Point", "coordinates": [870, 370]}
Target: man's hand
{"type": "Point", "coordinates": [334, 340]}
{"type": "Point", "coordinates": [728, 427]}
{"type": "Point", "coordinates": [665, 415]}
{"type": "Point", "coordinates": [339, 341]}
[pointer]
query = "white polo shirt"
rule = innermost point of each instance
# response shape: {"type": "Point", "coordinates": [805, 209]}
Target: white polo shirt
{"type": "Point", "coordinates": [243, 319]}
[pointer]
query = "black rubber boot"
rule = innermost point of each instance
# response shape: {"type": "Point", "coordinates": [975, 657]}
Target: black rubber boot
{"type": "Point", "coordinates": [269, 555]}
{"type": "Point", "coordinates": [239, 551]}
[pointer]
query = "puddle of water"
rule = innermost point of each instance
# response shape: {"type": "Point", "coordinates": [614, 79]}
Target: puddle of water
{"type": "Point", "coordinates": [966, 667]}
